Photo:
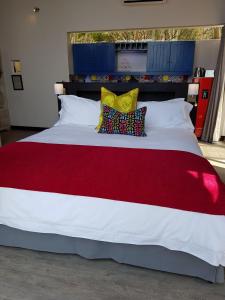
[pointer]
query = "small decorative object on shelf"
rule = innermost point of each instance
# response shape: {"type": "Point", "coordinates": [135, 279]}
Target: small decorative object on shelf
{"type": "Point", "coordinates": [87, 78]}
{"type": "Point", "coordinates": [123, 77]}
{"type": "Point", "coordinates": [165, 78]}
{"type": "Point", "coordinates": [93, 77]}
{"type": "Point", "coordinates": [133, 79]}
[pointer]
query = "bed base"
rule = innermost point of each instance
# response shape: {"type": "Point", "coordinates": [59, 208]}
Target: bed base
{"type": "Point", "coordinates": [151, 257]}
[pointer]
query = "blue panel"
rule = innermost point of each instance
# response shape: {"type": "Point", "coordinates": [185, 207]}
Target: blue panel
{"type": "Point", "coordinates": [182, 57]}
{"type": "Point", "coordinates": [82, 58]}
{"type": "Point", "coordinates": [104, 56]}
{"type": "Point", "coordinates": [158, 57]}
{"type": "Point", "coordinates": [96, 58]}
{"type": "Point", "coordinates": [172, 58]}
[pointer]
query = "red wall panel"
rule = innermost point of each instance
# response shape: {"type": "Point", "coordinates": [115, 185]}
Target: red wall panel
{"type": "Point", "coordinates": [205, 87]}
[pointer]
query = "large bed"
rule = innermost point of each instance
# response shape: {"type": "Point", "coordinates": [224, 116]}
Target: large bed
{"type": "Point", "coordinates": [162, 238]}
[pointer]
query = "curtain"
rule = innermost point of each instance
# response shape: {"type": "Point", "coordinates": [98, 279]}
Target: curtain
{"type": "Point", "coordinates": [214, 123]}
{"type": "Point", "coordinates": [220, 122]}
{"type": "Point", "coordinates": [223, 117]}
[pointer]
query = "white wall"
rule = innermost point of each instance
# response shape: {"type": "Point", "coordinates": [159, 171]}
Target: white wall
{"type": "Point", "coordinates": [40, 41]}
{"type": "Point", "coordinates": [206, 53]}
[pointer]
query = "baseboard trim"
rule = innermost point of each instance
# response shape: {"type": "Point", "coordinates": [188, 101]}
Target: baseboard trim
{"type": "Point", "coordinates": [27, 128]}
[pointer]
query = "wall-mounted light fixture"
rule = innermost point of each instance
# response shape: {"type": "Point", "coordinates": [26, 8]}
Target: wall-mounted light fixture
{"type": "Point", "coordinates": [36, 10]}
{"type": "Point", "coordinates": [16, 66]}
{"type": "Point", "coordinates": [193, 92]}
{"type": "Point", "coordinates": [58, 89]}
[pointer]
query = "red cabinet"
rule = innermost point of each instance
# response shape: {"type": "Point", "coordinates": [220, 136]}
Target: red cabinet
{"type": "Point", "coordinates": [205, 87]}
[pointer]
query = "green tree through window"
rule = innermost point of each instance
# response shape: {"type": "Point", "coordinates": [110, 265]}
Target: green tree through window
{"type": "Point", "coordinates": [162, 34]}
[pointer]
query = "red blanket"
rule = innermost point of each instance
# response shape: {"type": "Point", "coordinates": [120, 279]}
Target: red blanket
{"type": "Point", "coordinates": [167, 178]}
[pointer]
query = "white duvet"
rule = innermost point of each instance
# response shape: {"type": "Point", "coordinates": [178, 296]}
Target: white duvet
{"type": "Point", "coordinates": [199, 234]}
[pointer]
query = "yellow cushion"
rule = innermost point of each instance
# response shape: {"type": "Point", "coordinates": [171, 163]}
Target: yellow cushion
{"type": "Point", "coordinates": [123, 103]}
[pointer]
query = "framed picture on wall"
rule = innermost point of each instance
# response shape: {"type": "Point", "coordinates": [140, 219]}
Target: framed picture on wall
{"type": "Point", "coordinates": [17, 82]}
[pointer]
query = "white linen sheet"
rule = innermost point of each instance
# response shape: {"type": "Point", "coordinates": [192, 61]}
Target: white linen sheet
{"type": "Point", "coordinates": [199, 234]}
{"type": "Point", "coordinates": [160, 138]}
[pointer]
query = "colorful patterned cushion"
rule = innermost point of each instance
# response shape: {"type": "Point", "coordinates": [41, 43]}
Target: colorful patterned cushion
{"type": "Point", "coordinates": [124, 103]}
{"type": "Point", "coordinates": [115, 122]}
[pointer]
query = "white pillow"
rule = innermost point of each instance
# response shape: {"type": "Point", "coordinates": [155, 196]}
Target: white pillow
{"type": "Point", "coordinates": [78, 110]}
{"type": "Point", "coordinates": [173, 113]}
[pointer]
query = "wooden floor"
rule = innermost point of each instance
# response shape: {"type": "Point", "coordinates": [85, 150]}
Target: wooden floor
{"type": "Point", "coordinates": [14, 135]}
{"type": "Point", "coordinates": [215, 153]}
{"type": "Point", "coordinates": [33, 275]}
